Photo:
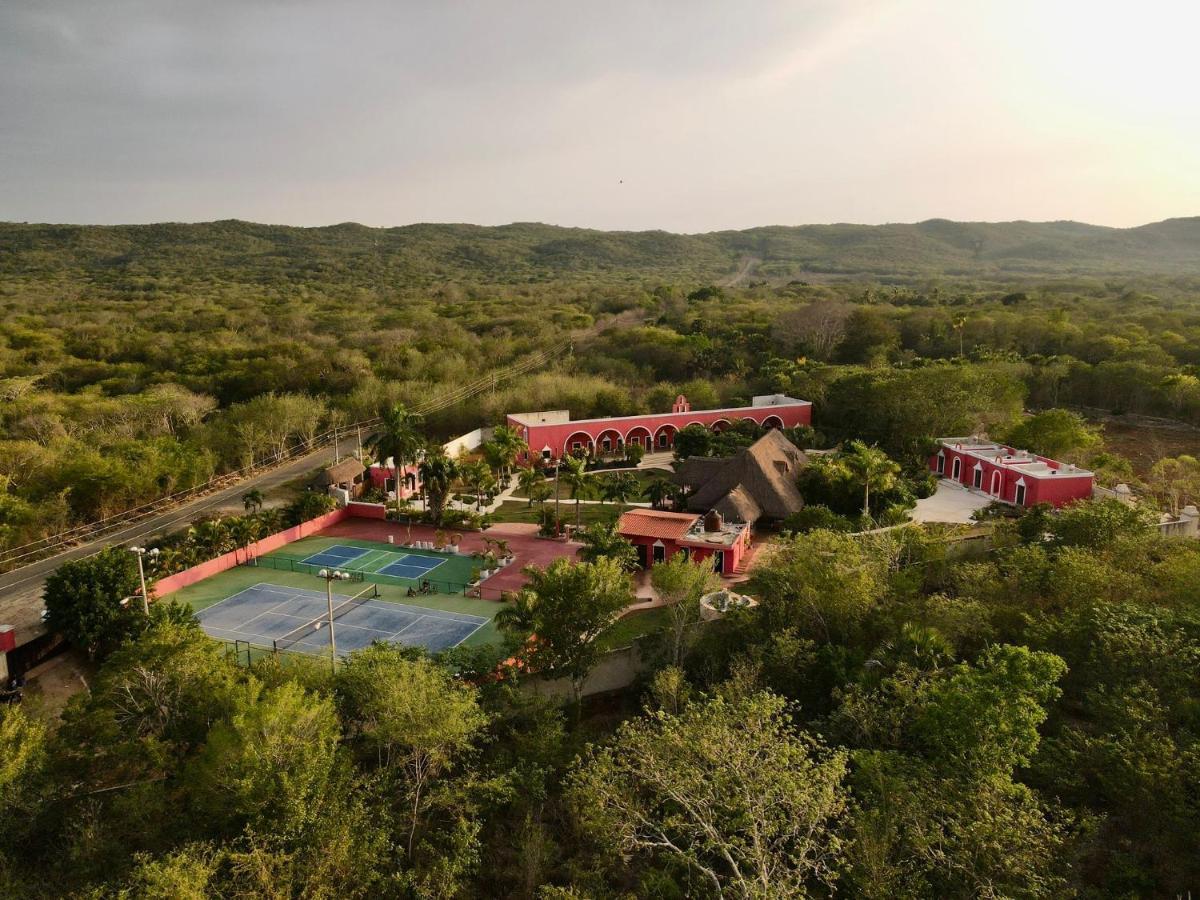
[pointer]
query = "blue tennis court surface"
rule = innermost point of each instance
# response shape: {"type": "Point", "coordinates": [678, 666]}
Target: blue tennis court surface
{"type": "Point", "coordinates": [409, 566]}
{"type": "Point", "coordinates": [337, 555]}
{"type": "Point", "coordinates": [266, 613]}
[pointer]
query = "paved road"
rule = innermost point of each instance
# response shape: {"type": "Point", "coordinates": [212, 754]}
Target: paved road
{"type": "Point", "coordinates": [21, 589]}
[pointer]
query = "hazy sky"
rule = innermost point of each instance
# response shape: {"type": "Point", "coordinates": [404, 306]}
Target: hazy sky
{"type": "Point", "coordinates": [712, 114]}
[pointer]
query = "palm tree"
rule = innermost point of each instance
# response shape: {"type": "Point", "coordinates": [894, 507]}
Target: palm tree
{"type": "Point", "coordinates": [399, 436]}
{"type": "Point", "coordinates": [243, 530]}
{"type": "Point", "coordinates": [619, 487]}
{"type": "Point", "coordinates": [438, 472]}
{"type": "Point", "coordinates": [252, 500]}
{"type": "Point", "coordinates": [211, 537]}
{"type": "Point", "coordinates": [574, 474]}
{"type": "Point", "coordinates": [873, 468]}
{"type": "Point", "coordinates": [509, 445]}
{"type": "Point", "coordinates": [659, 491]}
{"type": "Point", "coordinates": [475, 475]}
{"type": "Point", "coordinates": [528, 477]}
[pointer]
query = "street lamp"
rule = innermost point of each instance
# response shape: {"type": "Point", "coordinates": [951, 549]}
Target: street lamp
{"type": "Point", "coordinates": [330, 576]}
{"type": "Point", "coordinates": [142, 551]}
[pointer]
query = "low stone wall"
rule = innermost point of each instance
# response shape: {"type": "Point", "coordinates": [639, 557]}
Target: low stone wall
{"type": "Point", "coordinates": [226, 561]}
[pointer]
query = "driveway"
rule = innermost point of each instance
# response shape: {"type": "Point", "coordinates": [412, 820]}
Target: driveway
{"type": "Point", "coordinates": [951, 502]}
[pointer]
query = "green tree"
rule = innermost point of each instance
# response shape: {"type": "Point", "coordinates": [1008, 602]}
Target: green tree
{"type": "Point", "coordinates": [268, 765]}
{"type": "Point", "coordinates": [561, 612]}
{"type": "Point", "coordinates": [252, 500]}
{"type": "Point", "coordinates": [659, 491]}
{"type": "Point", "coordinates": [1057, 433]}
{"type": "Point", "coordinates": [573, 473]}
{"type": "Point", "coordinates": [872, 467]}
{"type": "Point", "coordinates": [509, 445]}
{"type": "Point", "coordinates": [602, 540]}
{"type": "Point", "coordinates": [411, 717]}
{"type": "Point", "coordinates": [92, 601]}
{"type": "Point", "coordinates": [680, 583]}
{"type": "Point", "coordinates": [529, 477]}
{"type": "Point", "coordinates": [619, 487]}
{"type": "Point", "coordinates": [824, 583]}
{"type": "Point", "coordinates": [438, 474]}
{"type": "Point", "coordinates": [726, 789]}
{"type": "Point", "coordinates": [399, 438]}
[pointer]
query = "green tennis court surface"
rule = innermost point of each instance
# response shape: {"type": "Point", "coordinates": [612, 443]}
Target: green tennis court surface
{"type": "Point", "coordinates": [445, 572]}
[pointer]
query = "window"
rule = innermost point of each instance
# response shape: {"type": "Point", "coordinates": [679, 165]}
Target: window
{"type": "Point", "coordinates": [606, 443]}
{"type": "Point", "coordinates": [957, 468]}
{"type": "Point", "coordinates": [978, 476]}
{"type": "Point", "coordinates": [1020, 493]}
{"type": "Point", "coordinates": [719, 562]}
{"type": "Point", "coordinates": [575, 445]}
{"type": "Point", "coordinates": [662, 439]}
{"type": "Point", "coordinates": [941, 463]}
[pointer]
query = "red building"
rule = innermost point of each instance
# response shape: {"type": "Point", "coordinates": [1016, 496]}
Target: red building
{"type": "Point", "coordinates": [1010, 475]}
{"type": "Point", "coordinates": [552, 435]}
{"type": "Point", "coordinates": [384, 478]}
{"type": "Point", "coordinates": [659, 535]}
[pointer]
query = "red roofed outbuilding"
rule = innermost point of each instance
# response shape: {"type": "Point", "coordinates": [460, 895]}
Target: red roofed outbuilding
{"type": "Point", "coordinates": [659, 535]}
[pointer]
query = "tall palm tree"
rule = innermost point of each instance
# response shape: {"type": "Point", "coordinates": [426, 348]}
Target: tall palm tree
{"type": "Point", "coordinates": [252, 500]}
{"type": "Point", "coordinates": [574, 475]}
{"type": "Point", "coordinates": [659, 491]}
{"type": "Point", "coordinates": [872, 467]}
{"type": "Point", "coordinates": [475, 475]}
{"type": "Point", "coordinates": [399, 436]}
{"type": "Point", "coordinates": [619, 487]}
{"type": "Point", "coordinates": [528, 477]}
{"type": "Point", "coordinates": [438, 472]}
{"type": "Point", "coordinates": [243, 530]}
{"type": "Point", "coordinates": [509, 445]}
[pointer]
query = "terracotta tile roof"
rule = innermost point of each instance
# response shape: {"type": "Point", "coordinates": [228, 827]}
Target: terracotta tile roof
{"type": "Point", "coordinates": [654, 523]}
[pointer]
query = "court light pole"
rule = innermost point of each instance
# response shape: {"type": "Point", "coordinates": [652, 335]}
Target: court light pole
{"type": "Point", "coordinates": [330, 576]}
{"type": "Point", "coordinates": [140, 552]}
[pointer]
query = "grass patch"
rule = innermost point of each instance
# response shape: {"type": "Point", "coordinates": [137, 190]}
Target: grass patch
{"type": "Point", "coordinates": [633, 626]}
{"type": "Point", "coordinates": [589, 513]}
{"type": "Point", "coordinates": [644, 477]}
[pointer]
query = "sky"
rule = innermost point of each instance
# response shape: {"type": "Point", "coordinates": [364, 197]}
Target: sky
{"type": "Point", "coordinates": [689, 116]}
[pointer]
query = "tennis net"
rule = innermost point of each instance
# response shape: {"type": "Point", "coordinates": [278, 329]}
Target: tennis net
{"type": "Point", "coordinates": [296, 635]}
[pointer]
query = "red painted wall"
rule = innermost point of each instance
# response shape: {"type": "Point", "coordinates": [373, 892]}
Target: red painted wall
{"type": "Point", "coordinates": [380, 476]}
{"type": "Point", "coordinates": [187, 577]}
{"type": "Point", "coordinates": [629, 429]}
{"type": "Point", "coordinates": [1057, 490]}
{"type": "Point", "coordinates": [733, 554]}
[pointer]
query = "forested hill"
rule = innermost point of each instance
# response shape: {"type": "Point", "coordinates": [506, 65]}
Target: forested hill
{"type": "Point", "coordinates": [119, 256]}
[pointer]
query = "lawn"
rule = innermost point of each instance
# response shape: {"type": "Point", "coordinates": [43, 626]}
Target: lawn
{"type": "Point", "coordinates": [644, 477]}
{"type": "Point", "coordinates": [633, 626]}
{"type": "Point", "coordinates": [589, 513]}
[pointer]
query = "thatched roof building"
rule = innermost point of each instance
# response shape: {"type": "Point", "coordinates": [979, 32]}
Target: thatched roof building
{"type": "Point", "coordinates": [758, 482]}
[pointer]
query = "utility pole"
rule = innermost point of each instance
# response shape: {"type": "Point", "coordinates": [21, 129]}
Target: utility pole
{"type": "Point", "coordinates": [330, 577]}
{"type": "Point", "coordinates": [140, 552]}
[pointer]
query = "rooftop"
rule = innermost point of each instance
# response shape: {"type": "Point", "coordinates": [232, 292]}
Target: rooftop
{"type": "Point", "coordinates": [563, 416]}
{"type": "Point", "coordinates": [686, 528]}
{"type": "Point", "coordinates": [1024, 461]}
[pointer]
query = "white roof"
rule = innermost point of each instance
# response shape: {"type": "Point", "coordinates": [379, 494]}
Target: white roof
{"type": "Point", "coordinates": [1023, 461]}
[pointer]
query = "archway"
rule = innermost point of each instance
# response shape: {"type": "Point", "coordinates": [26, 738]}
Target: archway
{"type": "Point", "coordinates": [664, 438]}
{"type": "Point", "coordinates": [720, 425]}
{"type": "Point", "coordinates": [640, 435]}
{"type": "Point", "coordinates": [577, 443]}
{"type": "Point", "coordinates": [610, 441]}
{"type": "Point", "coordinates": [772, 422]}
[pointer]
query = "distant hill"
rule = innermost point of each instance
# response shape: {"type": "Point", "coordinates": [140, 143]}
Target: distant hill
{"type": "Point", "coordinates": [350, 254]}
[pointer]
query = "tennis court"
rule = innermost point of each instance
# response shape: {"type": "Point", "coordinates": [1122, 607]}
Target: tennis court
{"type": "Point", "coordinates": [295, 618]}
{"type": "Point", "coordinates": [446, 571]}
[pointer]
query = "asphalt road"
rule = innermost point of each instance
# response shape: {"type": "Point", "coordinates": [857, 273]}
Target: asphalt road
{"type": "Point", "coordinates": [21, 589]}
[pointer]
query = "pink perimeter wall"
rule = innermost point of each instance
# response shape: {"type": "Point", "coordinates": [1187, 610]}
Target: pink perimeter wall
{"type": "Point", "coordinates": [187, 577]}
